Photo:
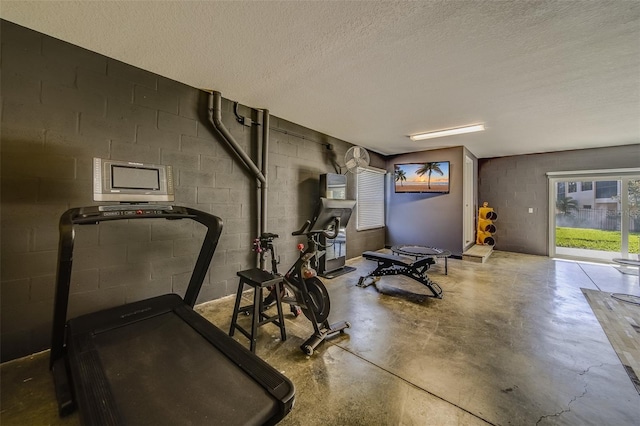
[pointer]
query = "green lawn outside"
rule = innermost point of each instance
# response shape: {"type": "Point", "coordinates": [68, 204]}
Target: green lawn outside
{"type": "Point", "coordinates": [593, 239]}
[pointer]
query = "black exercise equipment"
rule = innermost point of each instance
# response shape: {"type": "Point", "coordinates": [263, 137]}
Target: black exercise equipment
{"type": "Point", "coordinates": [418, 252]}
{"type": "Point", "coordinates": [389, 264]}
{"type": "Point", "coordinates": [156, 361]}
{"type": "Point", "coordinates": [308, 291]}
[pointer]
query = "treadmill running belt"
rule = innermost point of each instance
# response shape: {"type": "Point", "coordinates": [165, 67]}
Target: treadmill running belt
{"type": "Point", "coordinates": [162, 366]}
{"type": "Point", "coordinates": [146, 370]}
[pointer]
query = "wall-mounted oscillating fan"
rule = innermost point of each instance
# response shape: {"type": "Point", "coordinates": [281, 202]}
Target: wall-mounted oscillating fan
{"type": "Point", "coordinates": [355, 158]}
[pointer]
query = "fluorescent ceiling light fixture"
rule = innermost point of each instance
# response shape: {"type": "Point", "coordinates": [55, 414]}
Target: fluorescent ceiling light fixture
{"type": "Point", "coordinates": [448, 132]}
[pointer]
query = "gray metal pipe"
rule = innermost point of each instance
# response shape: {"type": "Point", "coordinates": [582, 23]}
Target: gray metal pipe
{"type": "Point", "coordinates": [257, 118]}
{"type": "Point", "coordinates": [215, 116]}
{"type": "Point", "coordinates": [265, 166]}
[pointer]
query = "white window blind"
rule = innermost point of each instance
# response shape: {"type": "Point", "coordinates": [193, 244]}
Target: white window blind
{"type": "Point", "coordinates": [370, 198]}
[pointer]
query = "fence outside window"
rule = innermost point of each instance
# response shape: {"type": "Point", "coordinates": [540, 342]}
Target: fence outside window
{"type": "Point", "coordinates": [607, 220]}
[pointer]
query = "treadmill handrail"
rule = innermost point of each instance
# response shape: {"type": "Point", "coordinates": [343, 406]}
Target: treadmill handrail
{"type": "Point", "coordinates": [93, 215]}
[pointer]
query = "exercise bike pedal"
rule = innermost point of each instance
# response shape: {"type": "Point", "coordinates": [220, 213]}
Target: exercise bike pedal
{"type": "Point", "coordinates": [296, 310]}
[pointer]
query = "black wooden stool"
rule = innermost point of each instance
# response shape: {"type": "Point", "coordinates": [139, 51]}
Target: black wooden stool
{"type": "Point", "coordinates": [258, 279]}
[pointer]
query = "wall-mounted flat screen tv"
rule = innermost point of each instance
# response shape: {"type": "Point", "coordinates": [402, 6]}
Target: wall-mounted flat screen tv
{"type": "Point", "coordinates": [428, 177]}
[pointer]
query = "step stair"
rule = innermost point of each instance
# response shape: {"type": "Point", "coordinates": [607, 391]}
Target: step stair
{"type": "Point", "coordinates": [478, 253]}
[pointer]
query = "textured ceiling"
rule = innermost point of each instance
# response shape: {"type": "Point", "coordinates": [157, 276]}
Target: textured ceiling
{"type": "Point", "coordinates": [542, 75]}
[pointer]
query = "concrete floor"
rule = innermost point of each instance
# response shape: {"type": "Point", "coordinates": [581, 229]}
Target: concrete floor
{"type": "Point", "coordinates": [513, 342]}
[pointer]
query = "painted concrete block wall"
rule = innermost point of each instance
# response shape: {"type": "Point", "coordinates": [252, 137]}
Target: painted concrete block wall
{"type": "Point", "coordinates": [427, 219]}
{"type": "Point", "coordinates": [62, 106]}
{"type": "Point", "coordinates": [514, 184]}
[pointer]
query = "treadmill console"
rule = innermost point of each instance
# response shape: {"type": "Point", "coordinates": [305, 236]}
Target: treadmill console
{"type": "Point", "coordinates": [94, 214]}
{"type": "Point", "coordinates": [131, 182]}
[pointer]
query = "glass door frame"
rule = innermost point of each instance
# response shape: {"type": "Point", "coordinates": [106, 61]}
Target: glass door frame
{"type": "Point", "coordinates": [624, 175]}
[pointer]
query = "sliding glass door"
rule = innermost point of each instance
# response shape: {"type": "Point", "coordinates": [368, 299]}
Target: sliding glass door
{"type": "Point", "coordinates": [632, 219]}
{"type": "Point", "coordinates": [595, 215]}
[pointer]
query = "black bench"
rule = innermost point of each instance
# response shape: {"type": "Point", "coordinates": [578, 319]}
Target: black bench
{"type": "Point", "coordinates": [389, 264]}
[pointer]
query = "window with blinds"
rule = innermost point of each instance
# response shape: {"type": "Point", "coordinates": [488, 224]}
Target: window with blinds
{"type": "Point", "coordinates": [370, 198]}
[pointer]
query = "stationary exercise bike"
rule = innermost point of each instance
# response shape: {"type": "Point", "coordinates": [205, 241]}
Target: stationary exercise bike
{"type": "Point", "coordinates": [304, 291]}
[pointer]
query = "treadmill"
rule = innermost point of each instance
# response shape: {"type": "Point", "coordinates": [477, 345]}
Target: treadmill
{"type": "Point", "coordinates": [156, 361]}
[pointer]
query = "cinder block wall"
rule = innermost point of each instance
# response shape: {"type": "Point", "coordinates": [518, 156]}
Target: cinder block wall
{"type": "Point", "coordinates": [512, 185]}
{"type": "Point", "coordinates": [62, 106]}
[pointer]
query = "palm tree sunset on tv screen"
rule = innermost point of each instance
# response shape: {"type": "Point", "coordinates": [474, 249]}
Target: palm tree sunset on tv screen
{"type": "Point", "coordinates": [422, 177]}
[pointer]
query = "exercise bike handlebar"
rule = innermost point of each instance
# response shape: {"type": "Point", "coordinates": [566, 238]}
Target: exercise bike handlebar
{"type": "Point", "coordinates": [301, 230]}
{"type": "Point", "coordinates": [325, 232]}
{"type": "Point", "coordinates": [336, 229]}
